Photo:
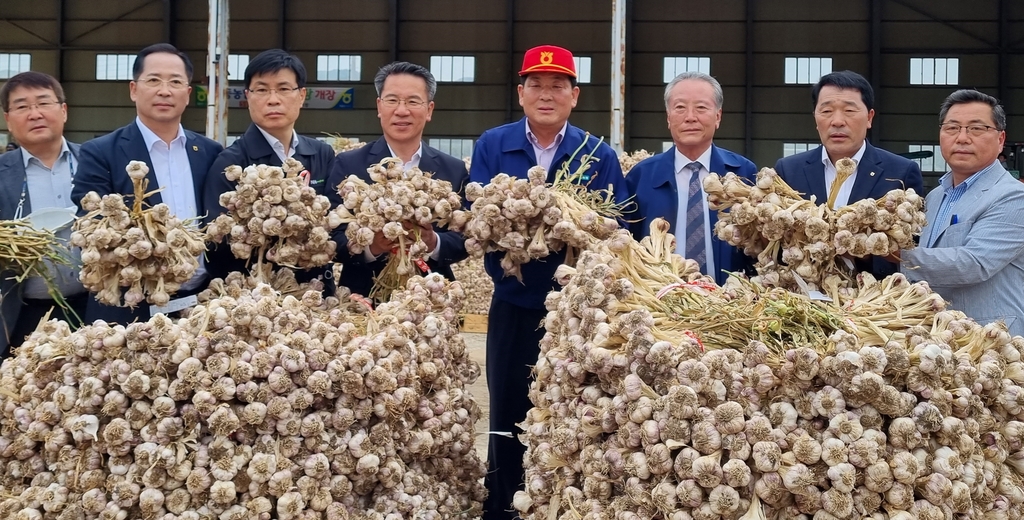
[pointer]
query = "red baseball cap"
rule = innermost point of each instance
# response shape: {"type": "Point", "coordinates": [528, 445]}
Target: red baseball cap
{"type": "Point", "coordinates": [548, 58]}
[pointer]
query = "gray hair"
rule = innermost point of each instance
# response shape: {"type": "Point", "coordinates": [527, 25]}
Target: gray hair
{"type": "Point", "coordinates": [966, 95]}
{"type": "Point", "coordinates": [719, 96]}
{"type": "Point", "coordinates": [404, 67]}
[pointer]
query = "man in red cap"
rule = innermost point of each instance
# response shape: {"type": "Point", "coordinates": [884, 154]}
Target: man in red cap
{"type": "Point", "coordinates": [547, 93]}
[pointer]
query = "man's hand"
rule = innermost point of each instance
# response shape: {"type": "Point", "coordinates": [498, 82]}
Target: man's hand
{"type": "Point", "coordinates": [427, 234]}
{"type": "Point", "coordinates": [381, 244]}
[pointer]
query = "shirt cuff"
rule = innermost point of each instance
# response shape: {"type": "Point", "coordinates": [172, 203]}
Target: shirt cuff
{"type": "Point", "coordinates": [435, 255]}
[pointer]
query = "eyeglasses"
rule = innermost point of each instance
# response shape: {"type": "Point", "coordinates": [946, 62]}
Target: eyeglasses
{"type": "Point", "coordinates": [411, 104]}
{"type": "Point", "coordinates": [24, 108]}
{"type": "Point", "coordinates": [173, 84]}
{"type": "Point", "coordinates": [952, 129]}
{"type": "Point", "coordinates": [264, 92]}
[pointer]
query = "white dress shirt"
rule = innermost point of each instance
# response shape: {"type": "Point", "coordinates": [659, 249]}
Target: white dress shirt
{"type": "Point", "coordinates": [545, 154]}
{"type": "Point", "coordinates": [843, 198]}
{"type": "Point", "coordinates": [174, 174]}
{"type": "Point", "coordinates": [683, 192]}
{"type": "Point", "coordinates": [414, 161]}
{"type": "Point", "coordinates": [278, 146]}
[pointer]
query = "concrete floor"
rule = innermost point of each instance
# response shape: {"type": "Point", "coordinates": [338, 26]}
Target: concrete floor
{"type": "Point", "coordinates": [476, 345]}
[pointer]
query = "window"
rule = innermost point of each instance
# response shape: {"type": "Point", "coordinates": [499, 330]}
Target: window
{"type": "Point", "coordinates": [339, 67]}
{"type": "Point", "coordinates": [453, 69]}
{"type": "Point", "coordinates": [236, 66]}
{"type": "Point", "coordinates": [457, 148]}
{"type": "Point", "coordinates": [795, 148]}
{"type": "Point", "coordinates": [114, 66]}
{"type": "Point", "coordinates": [231, 139]}
{"type": "Point", "coordinates": [935, 163]}
{"type": "Point", "coordinates": [675, 65]}
{"type": "Point", "coordinates": [667, 145]}
{"type": "Point", "coordinates": [582, 68]}
{"type": "Point", "coordinates": [806, 70]}
{"type": "Point", "coordinates": [934, 71]}
{"type": "Point", "coordinates": [11, 64]}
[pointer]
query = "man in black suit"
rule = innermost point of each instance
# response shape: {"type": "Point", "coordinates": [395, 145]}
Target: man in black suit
{"type": "Point", "coordinates": [405, 102]}
{"type": "Point", "coordinates": [178, 160]}
{"type": "Point", "coordinates": [843, 111]}
{"type": "Point", "coordinates": [37, 177]}
{"type": "Point", "coordinates": [275, 88]}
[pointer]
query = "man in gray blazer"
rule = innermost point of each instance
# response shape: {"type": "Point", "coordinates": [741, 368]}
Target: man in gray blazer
{"type": "Point", "coordinates": [972, 249]}
{"type": "Point", "coordinates": [34, 178]}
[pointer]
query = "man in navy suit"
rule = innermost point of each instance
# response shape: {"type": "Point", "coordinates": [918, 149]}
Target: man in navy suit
{"type": "Point", "coordinates": [177, 158]}
{"type": "Point", "coordinates": [669, 185]}
{"type": "Point", "coordinates": [405, 103]}
{"type": "Point", "coordinates": [843, 110]}
{"type": "Point", "coordinates": [275, 89]}
{"type": "Point", "coordinates": [37, 177]}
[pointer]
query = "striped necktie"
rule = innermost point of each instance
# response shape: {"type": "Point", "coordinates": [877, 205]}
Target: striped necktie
{"type": "Point", "coordinates": [695, 249]}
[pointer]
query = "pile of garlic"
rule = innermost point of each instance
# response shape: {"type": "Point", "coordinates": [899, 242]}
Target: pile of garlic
{"type": "Point", "coordinates": [275, 213]}
{"type": "Point", "coordinates": [477, 283]}
{"type": "Point", "coordinates": [628, 160]}
{"type": "Point", "coordinates": [633, 419]}
{"type": "Point", "coordinates": [149, 251]}
{"type": "Point", "coordinates": [529, 218]}
{"type": "Point", "coordinates": [257, 405]}
{"type": "Point", "coordinates": [396, 203]}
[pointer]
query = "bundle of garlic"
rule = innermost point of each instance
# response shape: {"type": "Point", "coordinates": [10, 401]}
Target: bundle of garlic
{"type": "Point", "coordinates": [633, 419]}
{"type": "Point", "coordinates": [147, 250]}
{"type": "Point", "coordinates": [256, 406]}
{"type": "Point", "coordinates": [397, 203]}
{"type": "Point", "coordinates": [274, 212]}
{"type": "Point", "coordinates": [529, 218]}
{"type": "Point", "coordinates": [793, 238]}
{"type": "Point", "coordinates": [477, 283]}
{"type": "Point", "coordinates": [628, 160]}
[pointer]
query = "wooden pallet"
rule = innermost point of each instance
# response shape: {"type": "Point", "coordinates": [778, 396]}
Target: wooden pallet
{"type": "Point", "coordinates": [476, 323]}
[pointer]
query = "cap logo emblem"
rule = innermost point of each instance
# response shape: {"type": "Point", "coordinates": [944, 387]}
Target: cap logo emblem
{"type": "Point", "coordinates": [546, 57]}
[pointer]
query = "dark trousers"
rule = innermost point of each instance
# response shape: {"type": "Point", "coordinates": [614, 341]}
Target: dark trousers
{"type": "Point", "coordinates": [33, 310]}
{"type": "Point", "coordinates": [127, 315]}
{"type": "Point", "coordinates": [513, 344]}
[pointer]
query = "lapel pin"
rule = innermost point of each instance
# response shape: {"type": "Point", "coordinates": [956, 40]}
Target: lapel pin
{"type": "Point", "coordinates": [196, 149]}
{"type": "Point", "coordinates": [872, 174]}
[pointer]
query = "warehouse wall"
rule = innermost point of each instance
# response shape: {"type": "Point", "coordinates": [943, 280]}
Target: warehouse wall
{"type": "Point", "coordinates": [778, 113]}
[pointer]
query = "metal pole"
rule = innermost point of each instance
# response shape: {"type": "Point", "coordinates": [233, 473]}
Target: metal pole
{"type": "Point", "coordinates": [618, 74]}
{"type": "Point", "coordinates": [748, 81]}
{"type": "Point", "coordinates": [217, 70]}
{"type": "Point", "coordinates": [875, 63]}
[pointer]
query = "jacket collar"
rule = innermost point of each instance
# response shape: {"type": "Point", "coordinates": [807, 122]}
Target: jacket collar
{"type": "Point", "coordinates": [665, 172]}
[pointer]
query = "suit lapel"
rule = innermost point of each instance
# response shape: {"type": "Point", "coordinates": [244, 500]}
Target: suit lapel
{"type": "Point", "coordinates": [133, 145]}
{"type": "Point", "coordinates": [814, 177]}
{"type": "Point", "coordinates": [197, 163]}
{"type": "Point", "coordinates": [869, 172]}
{"type": "Point", "coordinates": [664, 181]}
{"type": "Point", "coordinates": [13, 168]}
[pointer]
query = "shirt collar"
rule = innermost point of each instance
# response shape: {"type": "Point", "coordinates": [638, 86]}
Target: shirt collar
{"type": "Point", "coordinates": [558, 138]}
{"type": "Point", "coordinates": [682, 160]}
{"type": "Point", "coordinates": [275, 143]}
{"type": "Point", "coordinates": [151, 138]}
{"type": "Point", "coordinates": [856, 157]}
{"type": "Point", "coordinates": [947, 180]}
{"type": "Point", "coordinates": [415, 159]}
{"type": "Point", "coordinates": [26, 156]}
